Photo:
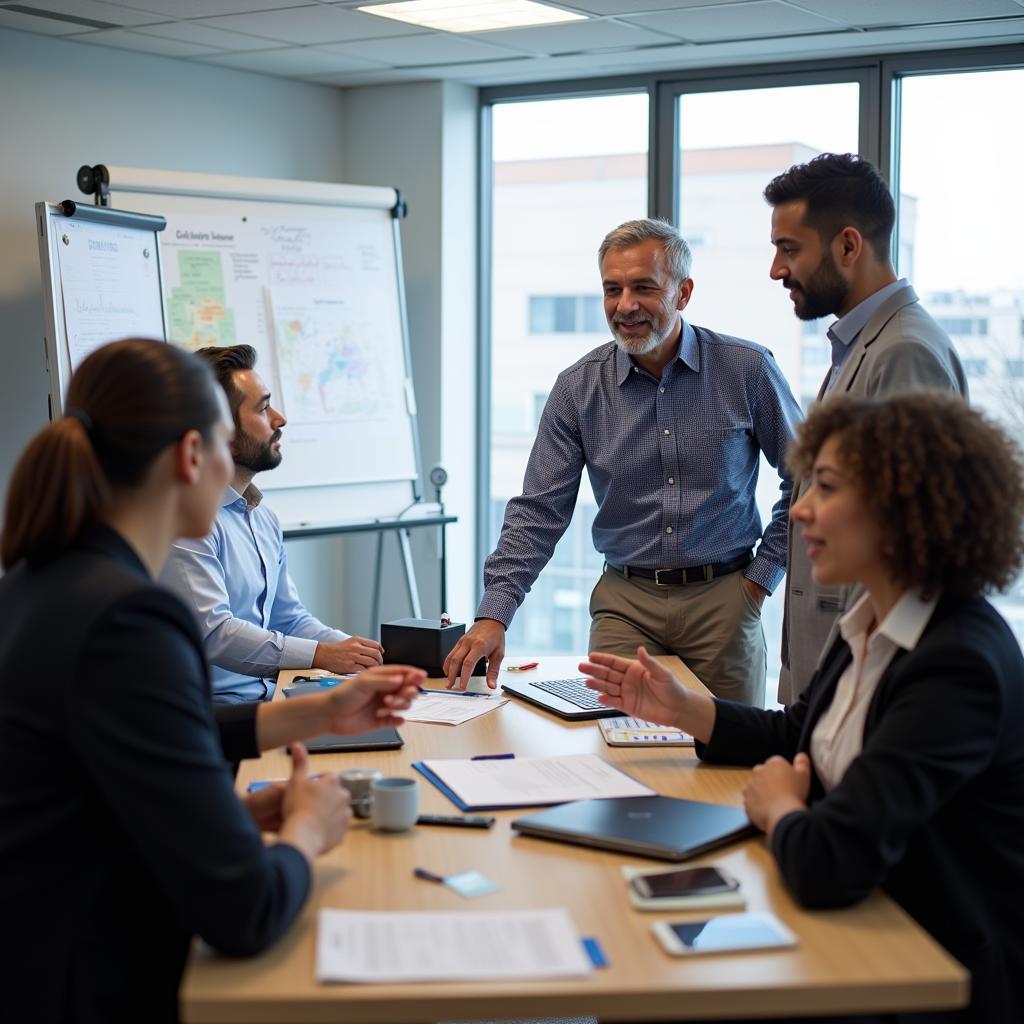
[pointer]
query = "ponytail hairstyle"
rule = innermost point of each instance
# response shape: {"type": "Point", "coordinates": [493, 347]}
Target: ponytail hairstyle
{"type": "Point", "coordinates": [126, 403]}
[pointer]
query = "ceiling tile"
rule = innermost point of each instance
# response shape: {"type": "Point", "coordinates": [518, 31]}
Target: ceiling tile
{"type": "Point", "coordinates": [298, 61]}
{"type": "Point", "coordinates": [623, 8]}
{"type": "Point", "coordinates": [428, 48]}
{"type": "Point", "coordinates": [206, 8]}
{"type": "Point", "coordinates": [318, 23]}
{"type": "Point", "coordinates": [206, 35]}
{"type": "Point", "coordinates": [92, 10]}
{"type": "Point", "coordinates": [575, 37]}
{"type": "Point", "coordinates": [124, 39]}
{"type": "Point", "coordinates": [908, 12]}
{"type": "Point", "coordinates": [42, 26]}
{"type": "Point", "coordinates": [735, 21]}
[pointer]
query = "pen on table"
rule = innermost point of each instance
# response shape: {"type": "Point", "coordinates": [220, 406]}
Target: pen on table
{"type": "Point", "coordinates": [453, 693]}
{"type": "Point", "coordinates": [523, 668]}
{"type": "Point", "coordinates": [427, 876]}
{"type": "Point", "coordinates": [492, 757]}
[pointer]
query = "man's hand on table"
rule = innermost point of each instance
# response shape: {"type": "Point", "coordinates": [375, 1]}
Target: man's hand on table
{"type": "Point", "coordinates": [485, 639]}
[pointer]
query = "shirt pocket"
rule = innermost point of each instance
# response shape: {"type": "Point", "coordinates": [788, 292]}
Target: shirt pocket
{"type": "Point", "coordinates": [718, 460]}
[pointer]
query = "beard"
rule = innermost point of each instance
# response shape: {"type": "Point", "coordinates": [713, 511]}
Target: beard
{"type": "Point", "coordinates": [254, 456]}
{"type": "Point", "coordinates": [824, 292]}
{"type": "Point", "coordinates": [639, 346]}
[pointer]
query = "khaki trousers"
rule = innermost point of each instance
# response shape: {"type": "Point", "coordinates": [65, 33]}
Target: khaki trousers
{"type": "Point", "coordinates": [714, 627]}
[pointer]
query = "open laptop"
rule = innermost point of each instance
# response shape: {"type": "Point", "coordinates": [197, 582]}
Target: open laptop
{"type": "Point", "coordinates": [649, 826]}
{"type": "Point", "coordinates": [568, 698]}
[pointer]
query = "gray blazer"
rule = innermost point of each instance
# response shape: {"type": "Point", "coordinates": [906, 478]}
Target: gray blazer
{"type": "Point", "coordinates": [900, 348]}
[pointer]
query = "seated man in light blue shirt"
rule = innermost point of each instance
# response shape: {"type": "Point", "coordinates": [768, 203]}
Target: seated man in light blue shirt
{"type": "Point", "coordinates": [236, 579]}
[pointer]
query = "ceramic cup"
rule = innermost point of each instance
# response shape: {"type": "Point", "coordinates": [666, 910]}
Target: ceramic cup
{"type": "Point", "coordinates": [358, 781]}
{"type": "Point", "coordinates": [396, 803]}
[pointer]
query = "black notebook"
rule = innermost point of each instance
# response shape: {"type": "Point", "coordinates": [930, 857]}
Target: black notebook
{"type": "Point", "coordinates": [650, 826]}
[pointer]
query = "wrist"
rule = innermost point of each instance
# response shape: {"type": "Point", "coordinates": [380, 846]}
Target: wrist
{"type": "Point", "coordinates": [303, 832]}
{"type": "Point", "coordinates": [778, 809]}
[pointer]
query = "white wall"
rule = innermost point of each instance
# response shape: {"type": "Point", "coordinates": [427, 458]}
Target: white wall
{"type": "Point", "coordinates": [422, 138]}
{"type": "Point", "coordinates": [63, 104]}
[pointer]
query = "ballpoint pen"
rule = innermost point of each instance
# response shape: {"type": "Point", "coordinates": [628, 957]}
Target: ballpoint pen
{"type": "Point", "coordinates": [427, 876]}
{"type": "Point", "coordinates": [454, 693]}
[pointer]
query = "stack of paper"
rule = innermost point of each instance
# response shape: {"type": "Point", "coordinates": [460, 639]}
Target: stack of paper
{"type": "Point", "coordinates": [488, 784]}
{"type": "Point", "coordinates": [451, 708]}
{"type": "Point", "coordinates": [385, 947]}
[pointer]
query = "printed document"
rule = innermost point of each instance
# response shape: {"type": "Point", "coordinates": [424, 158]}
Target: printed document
{"type": "Point", "coordinates": [386, 947]}
{"type": "Point", "coordinates": [448, 709]}
{"type": "Point", "coordinates": [523, 781]}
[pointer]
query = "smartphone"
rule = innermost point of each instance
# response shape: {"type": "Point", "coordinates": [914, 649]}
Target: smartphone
{"type": "Point", "coordinates": [685, 882]}
{"type": "Point", "coordinates": [729, 934]}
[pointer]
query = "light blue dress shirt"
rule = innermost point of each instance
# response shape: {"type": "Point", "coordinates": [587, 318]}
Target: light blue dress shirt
{"type": "Point", "coordinates": [845, 331]}
{"type": "Point", "coordinates": [250, 617]}
{"type": "Point", "coordinates": [673, 464]}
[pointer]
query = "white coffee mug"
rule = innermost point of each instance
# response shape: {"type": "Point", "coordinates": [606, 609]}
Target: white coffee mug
{"type": "Point", "coordinates": [357, 781]}
{"type": "Point", "coordinates": [396, 803]}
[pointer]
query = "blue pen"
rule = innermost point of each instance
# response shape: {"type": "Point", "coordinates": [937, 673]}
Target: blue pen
{"type": "Point", "coordinates": [453, 693]}
{"type": "Point", "coordinates": [492, 757]}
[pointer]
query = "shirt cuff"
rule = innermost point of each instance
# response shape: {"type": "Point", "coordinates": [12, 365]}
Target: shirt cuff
{"type": "Point", "coordinates": [498, 606]}
{"type": "Point", "coordinates": [298, 652]}
{"type": "Point", "coordinates": [765, 573]}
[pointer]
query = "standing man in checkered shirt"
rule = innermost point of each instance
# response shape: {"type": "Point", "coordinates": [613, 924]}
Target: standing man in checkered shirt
{"type": "Point", "coordinates": [670, 421]}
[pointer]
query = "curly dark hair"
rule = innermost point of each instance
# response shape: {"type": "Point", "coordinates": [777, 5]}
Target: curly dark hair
{"type": "Point", "coordinates": [946, 483]}
{"type": "Point", "coordinates": [226, 361]}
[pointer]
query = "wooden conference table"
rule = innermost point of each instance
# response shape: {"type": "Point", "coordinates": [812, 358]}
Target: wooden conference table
{"type": "Point", "coordinates": [866, 959]}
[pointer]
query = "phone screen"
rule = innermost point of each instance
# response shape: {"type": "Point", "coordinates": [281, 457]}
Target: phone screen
{"type": "Point", "coordinates": [743, 931]}
{"type": "Point", "coordinates": [685, 882]}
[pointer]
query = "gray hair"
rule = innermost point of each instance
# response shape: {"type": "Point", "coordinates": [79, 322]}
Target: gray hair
{"type": "Point", "coordinates": [633, 232]}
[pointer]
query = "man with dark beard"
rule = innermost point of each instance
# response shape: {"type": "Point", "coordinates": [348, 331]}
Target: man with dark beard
{"type": "Point", "coordinates": [236, 579]}
{"type": "Point", "coordinates": [832, 222]}
{"type": "Point", "coordinates": [670, 421]}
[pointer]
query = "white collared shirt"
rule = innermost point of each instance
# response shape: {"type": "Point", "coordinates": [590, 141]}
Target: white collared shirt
{"type": "Point", "coordinates": [839, 735]}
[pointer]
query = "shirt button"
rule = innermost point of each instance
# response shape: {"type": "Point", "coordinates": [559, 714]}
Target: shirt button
{"type": "Point", "coordinates": [668, 529]}
{"type": "Point", "coordinates": [663, 391]}
{"type": "Point", "coordinates": [666, 431]}
{"type": "Point", "coordinates": [671, 479]}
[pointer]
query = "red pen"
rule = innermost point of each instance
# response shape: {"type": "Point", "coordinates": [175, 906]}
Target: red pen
{"type": "Point", "coordinates": [523, 668]}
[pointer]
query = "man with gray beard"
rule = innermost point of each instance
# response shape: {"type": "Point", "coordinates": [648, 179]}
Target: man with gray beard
{"type": "Point", "coordinates": [670, 420]}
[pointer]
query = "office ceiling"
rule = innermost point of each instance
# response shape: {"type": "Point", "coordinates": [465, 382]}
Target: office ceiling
{"type": "Point", "coordinates": [336, 44]}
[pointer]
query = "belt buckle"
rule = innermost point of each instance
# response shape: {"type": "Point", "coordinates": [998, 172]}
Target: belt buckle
{"type": "Point", "coordinates": [657, 577]}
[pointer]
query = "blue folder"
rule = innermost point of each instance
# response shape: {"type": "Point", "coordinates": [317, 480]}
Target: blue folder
{"type": "Point", "coordinates": [462, 805]}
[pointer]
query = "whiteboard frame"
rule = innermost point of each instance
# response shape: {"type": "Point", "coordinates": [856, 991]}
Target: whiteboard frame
{"type": "Point", "coordinates": [55, 339]}
{"type": "Point", "coordinates": [153, 183]}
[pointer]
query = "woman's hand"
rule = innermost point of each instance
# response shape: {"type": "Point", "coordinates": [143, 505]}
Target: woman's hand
{"type": "Point", "coordinates": [372, 699]}
{"type": "Point", "coordinates": [775, 789]}
{"type": "Point", "coordinates": [642, 688]}
{"type": "Point", "coordinates": [316, 811]}
{"type": "Point", "coordinates": [264, 806]}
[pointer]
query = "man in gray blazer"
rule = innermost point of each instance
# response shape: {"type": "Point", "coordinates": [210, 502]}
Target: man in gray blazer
{"type": "Point", "coordinates": [832, 222]}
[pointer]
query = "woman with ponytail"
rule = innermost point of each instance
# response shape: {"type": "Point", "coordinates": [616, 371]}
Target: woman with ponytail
{"type": "Point", "coordinates": [120, 832]}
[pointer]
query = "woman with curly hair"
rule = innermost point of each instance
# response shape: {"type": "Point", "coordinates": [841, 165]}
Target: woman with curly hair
{"type": "Point", "coordinates": [902, 764]}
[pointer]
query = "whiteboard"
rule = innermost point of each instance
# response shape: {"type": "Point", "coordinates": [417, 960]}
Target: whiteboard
{"type": "Point", "coordinates": [101, 279]}
{"type": "Point", "coordinates": [310, 275]}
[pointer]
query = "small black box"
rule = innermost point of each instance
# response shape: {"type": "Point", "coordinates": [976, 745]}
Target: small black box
{"type": "Point", "coordinates": [422, 643]}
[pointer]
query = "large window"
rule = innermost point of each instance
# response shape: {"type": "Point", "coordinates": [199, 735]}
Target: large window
{"type": "Point", "coordinates": [564, 173]}
{"type": "Point", "coordinates": [960, 159]}
{"type": "Point", "coordinates": [731, 144]}
{"type": "Point", "coordinates": [566, 170]}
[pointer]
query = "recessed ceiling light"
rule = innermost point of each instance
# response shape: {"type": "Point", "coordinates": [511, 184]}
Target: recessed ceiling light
{"type": "Point", "coordinates": [473, 15]}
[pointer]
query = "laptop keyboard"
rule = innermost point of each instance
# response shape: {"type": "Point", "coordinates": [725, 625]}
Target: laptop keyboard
{"type": "Point", "coordinates": [574, 690]}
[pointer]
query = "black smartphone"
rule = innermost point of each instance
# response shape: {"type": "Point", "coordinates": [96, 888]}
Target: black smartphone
{"type": "Point", "coordinates": [459, 820]}
{"type": "Point", "coordinates": [684, 882]}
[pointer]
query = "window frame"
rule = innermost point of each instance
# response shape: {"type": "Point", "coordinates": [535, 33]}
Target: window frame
{"type": "Point", "coordinates": [879, 76]}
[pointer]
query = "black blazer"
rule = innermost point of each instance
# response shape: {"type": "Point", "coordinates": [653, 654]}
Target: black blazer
{"type": "Point", "coordinates": [932, 810]}
{"type": "Point", "coordinates": [120, 832]}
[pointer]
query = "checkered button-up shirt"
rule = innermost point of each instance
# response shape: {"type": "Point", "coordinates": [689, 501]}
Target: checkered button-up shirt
{"type": "Point", "coordinates": [673, 464]}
